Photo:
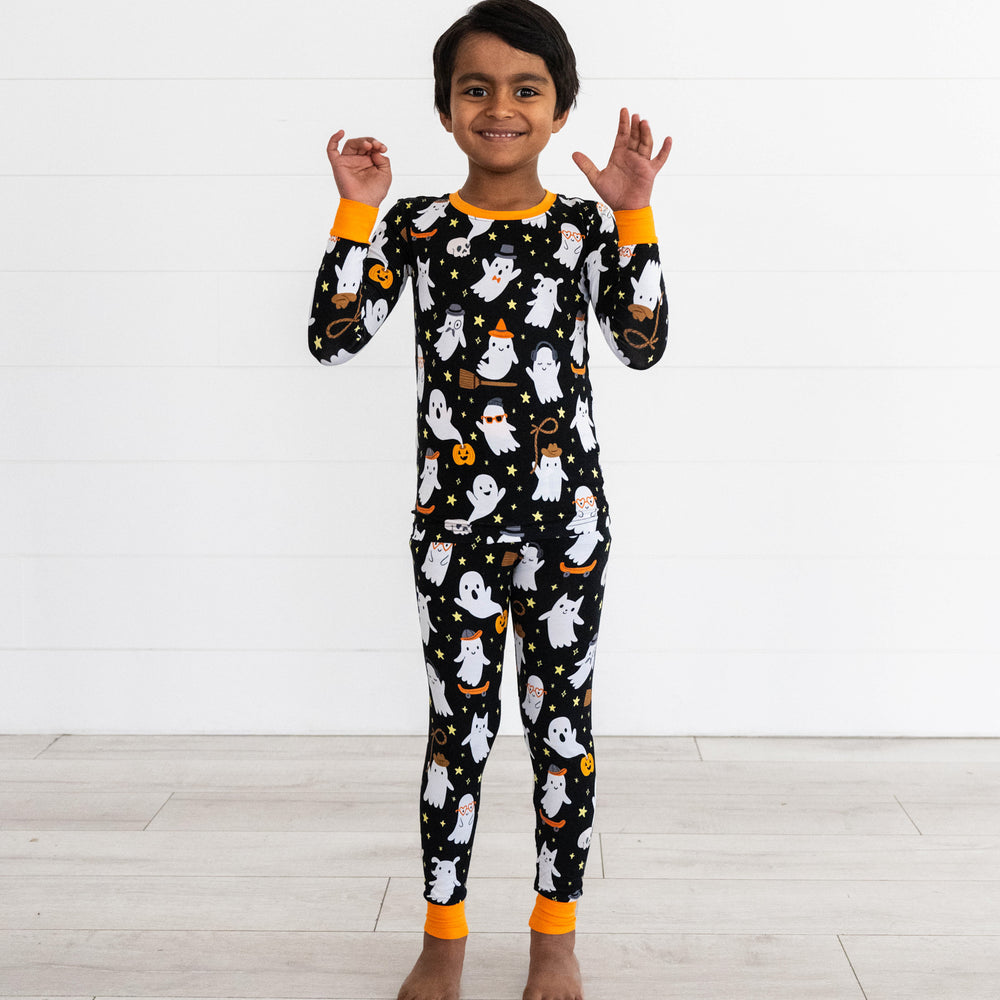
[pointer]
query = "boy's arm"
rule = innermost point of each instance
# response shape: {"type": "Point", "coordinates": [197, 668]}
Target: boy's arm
{"type": "Point", "coordinates": [631, 302]}
{"type": "Point", "coordinates": [359, 281]}
{"type": "Point", "coordinates": [363, 272]}
{"type": "Point", "coordinates": [625, 281]}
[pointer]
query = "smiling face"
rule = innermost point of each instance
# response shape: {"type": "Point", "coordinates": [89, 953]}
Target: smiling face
{"type": "Point", "coordinates": [503, 105]}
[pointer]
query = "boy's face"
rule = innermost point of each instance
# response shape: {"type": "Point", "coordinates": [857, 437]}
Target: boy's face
{"type": "Point", "coordinates": [503, 104]}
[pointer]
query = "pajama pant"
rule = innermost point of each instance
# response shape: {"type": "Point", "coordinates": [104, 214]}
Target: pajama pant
{"type": "Point", "coordinates": [465, 593]}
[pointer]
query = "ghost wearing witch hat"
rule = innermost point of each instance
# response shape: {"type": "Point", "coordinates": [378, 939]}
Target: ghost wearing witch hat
{"type": "Point", "coordinates": [499, 356]}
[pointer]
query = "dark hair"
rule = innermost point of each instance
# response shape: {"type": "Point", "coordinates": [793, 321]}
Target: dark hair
{"type": "Point", "coordinates": [522, 25]}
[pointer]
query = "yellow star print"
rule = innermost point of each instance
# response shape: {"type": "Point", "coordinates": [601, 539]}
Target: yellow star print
{"type": "Point", "coordinates": [325, 286]}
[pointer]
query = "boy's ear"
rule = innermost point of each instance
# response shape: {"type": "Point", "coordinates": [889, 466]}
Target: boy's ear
{"type": "Point", "coordinates": [560, 120]}
{"type": "Point", "coordinates": [445, 120]}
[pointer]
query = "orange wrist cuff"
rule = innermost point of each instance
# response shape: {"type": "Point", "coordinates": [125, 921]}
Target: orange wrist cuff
{"type": "Point", "coordinates": [447, 922]}
{"type": "Point", "coordinates": [550, 917]}
{"type": "Point", "coordinates": [354, 221]}
{"type": "Point", "coordinates": [635, 225]}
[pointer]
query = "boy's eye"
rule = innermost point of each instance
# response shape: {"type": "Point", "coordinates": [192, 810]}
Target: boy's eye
{"type": "Point", "coordinates": [476, 92]}
{"type": "Point", "coordinates": [527, 92]}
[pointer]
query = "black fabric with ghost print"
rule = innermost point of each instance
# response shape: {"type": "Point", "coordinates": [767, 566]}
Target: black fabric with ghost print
{"type": "Point", "coordinates": [506, 443]}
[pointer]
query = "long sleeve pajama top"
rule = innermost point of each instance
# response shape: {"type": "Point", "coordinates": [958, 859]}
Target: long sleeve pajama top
{"type": "Point", "coordinates": [506, 446]}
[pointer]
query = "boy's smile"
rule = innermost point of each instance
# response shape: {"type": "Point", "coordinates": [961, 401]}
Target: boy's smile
{"type": "Point", "coordinates": [502, 115]}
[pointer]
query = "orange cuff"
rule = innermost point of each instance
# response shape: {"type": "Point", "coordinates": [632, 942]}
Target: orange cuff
{"type": "Point", "coordinates": [635, 225]}
{"type": "Point", "coordinates": [550, 917]}
{"type": "Point", "coordinates": [447, 922]}
{"type": "Point", "coordinates": [354, 221]}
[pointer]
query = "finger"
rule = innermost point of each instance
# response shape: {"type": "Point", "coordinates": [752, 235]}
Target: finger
{"type": "Point", "coordinates": [661, 156]}
{"type": "Point", "coordinates": [645, 138]}
{"type": "Point", "coordinates": [622, 135]}
{"type": "Point", "coordinates": [634, 132]}
{"type": "Point", "coordinates": [331, 146]}
{"type": "Point", "coordinates": [586, 164]}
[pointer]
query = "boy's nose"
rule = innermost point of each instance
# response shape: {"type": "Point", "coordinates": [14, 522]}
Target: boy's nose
{"type": "Point", "coordinates": [500, 107]}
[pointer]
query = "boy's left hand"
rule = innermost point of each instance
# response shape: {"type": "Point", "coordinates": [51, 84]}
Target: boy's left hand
{"type": "Point", "coordinates": [627, 181]}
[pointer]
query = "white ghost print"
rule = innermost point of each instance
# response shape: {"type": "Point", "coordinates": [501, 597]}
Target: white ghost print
{"type": "Point", "coordinates": [583, 424]}
{"type": "Point", "coordinates": [424, 615]}
{"type": "Point", "coordinates": [546, 869]}
{"type": "Point", "coordinates": [462, 833]}
{"type": "Point", "coordinates": [349, 276]}
{"type": "Point", "coordinates": [374, 315]}
{"type": "Point", "coordinates": [555, 796]}
{"type": "Point", "coordinates": [584, 842]}
{"type": "Point", "coordinates": [534, 693]}
{"type": "Point", "coordinates": [518, 645]}
{"type": "Point", "coordinates": [562, 739]}
{"type": "Point", "coordinates": [647, 291]}
{"type": "Point", "coordinates": [484, 496]}
{"type": "Point", "coordinates": [544, 304]}
{"type": "Point", "coordinates": [428, 216]}
{"type": "Point", "coordinates": [478, 738]}
{"type": "Point", "coordinates": [376, 249]}
{"type": "Point", "coordinates": [527, 566]}
{"type": "Point", "coordinates": [544, 372]}
{"type": "Point", "coordinates": [607, 218]}
{"type": "Point", "coordinates": [475, 597]}
{"type": "Point", "coordinates": [436, 788]}
{"type": "Point", "coordinates": [609, 336]}
{"type": "Point", "coordinates": [550, 474]}
{"type": "Point", "coordinates": [578, 340]}
{"type": "Point", "coordinates": [496, 429]}
{"type": "Point", "coordinates": [424, 285]}
{"type": "Point", "coordinates": [593, 269]}
{"type": "Point", "coordinates": [439, 418]}
{"type": "Point", "coordinates": [452, 332]}
{"type": "Point", "coordinates": [421, 374]}
{"type": "Point", "coordinates": [625, 253]}
{"type": "Point", "coordinates": [436, 561]}
{"type": "Point", "coordinates": [560, 619]}
{"type": "Point", "coordinates": [472, 658]}
{"type": "Point", "coordinates": [497, 274]}
{"type": "Point", "coordinates": [428, 476]}
{"type": "Point", "coordinates": [579, 677]}
{"type": "Point", "coordinates": [570, 245]}
{"type": "Point", "coordinates": [436, 685]}
{"type": "Point", "coordinates": [499, 355]}
{"type": "Point", "coordinates": [445, 881]}
{"type": "Point", "coordinates": [584, 525]}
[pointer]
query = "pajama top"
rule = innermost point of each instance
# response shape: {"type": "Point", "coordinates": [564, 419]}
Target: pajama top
{"type": "Point", "coordinates": [506, 446]}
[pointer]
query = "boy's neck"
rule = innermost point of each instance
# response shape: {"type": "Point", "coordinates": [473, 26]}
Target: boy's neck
{"type": "Point", "coordinates": [502, 192]}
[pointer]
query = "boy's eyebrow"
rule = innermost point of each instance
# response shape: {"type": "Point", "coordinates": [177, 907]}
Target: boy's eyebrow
{"type": "Point", "coordinates": [517, 78]}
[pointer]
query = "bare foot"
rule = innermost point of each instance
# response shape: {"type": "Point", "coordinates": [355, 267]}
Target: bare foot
{"type": "Point", "coordinates": [438, 971]}
{"type": "Point", "coordinates": [554, 972]}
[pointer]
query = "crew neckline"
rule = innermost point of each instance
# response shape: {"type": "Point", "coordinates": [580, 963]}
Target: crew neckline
{"type": "Point", "coordinates": [484, 213]}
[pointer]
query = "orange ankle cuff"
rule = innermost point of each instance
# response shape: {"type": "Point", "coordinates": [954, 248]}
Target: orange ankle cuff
{"type": "Point", "coordinates": [447, 922]}
{"type": "Point", "coordinates": [550, 917]}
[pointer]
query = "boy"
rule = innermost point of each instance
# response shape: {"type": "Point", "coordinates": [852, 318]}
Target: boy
{"type": "Point", "coordinates": [510, 510]}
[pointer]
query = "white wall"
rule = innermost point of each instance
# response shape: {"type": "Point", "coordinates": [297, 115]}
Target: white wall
{"type": "Point", "coordinates": [202, 530]}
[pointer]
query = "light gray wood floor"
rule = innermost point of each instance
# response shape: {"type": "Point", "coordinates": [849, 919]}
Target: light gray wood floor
{"type": "Point", "coordinates": [274, 867]}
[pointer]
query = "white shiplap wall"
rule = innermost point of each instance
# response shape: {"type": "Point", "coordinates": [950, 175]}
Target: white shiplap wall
{"type": "Point", "coordinates": [806, 539]}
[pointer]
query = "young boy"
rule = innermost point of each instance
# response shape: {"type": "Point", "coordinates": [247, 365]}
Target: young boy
{"type": "Point", "coordinates": [510, 514]}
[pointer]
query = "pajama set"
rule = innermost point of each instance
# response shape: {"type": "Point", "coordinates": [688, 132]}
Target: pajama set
{"type": "Point", "coordinates": [510, 516]}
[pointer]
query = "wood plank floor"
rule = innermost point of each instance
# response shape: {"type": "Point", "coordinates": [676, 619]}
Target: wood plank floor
{"type": "Point", "coordinates": [286, 867]}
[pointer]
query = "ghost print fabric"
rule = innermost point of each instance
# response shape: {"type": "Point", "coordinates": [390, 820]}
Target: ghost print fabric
{"type": "Point", "coordinates": [506, 442]}
{"type": "Point", "coordinates": [511, 522]}
{"type": "Point", "coordinates": [469, 596]}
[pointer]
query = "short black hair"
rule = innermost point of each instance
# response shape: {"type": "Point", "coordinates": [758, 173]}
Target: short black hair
{"type": "Point", "coordinates": [522, 25]}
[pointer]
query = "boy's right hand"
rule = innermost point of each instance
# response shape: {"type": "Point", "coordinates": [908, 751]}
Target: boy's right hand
{"type": "Point", "coordinates": [361, 169]}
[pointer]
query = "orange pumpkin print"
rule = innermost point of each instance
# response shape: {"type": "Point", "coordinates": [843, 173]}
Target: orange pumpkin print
{"type": "Point", "coordinates": [380, 274]}
{"type": "Point", "coordinates": [463, 454]}
{"type": "Point", "coordinates": [587, 765]}
{"type": "Point", "coordinates": [501, 622]}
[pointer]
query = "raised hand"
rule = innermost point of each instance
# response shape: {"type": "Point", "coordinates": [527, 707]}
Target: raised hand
{"type": "Point", "coordinates": [627, 181]}
{"type": "Point", "coordinates": [361, 170]}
